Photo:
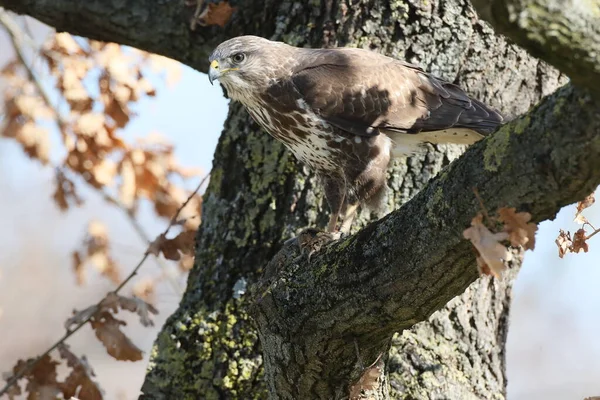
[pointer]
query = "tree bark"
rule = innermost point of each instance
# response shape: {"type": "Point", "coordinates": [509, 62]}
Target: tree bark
{"type": "Point", "coordinates": [259, 196]}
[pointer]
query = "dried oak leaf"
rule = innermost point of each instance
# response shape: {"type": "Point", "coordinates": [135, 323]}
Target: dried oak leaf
{"type": "Point", "coordinates": [581, 219]}
{"type": "Point", "coordinates": [186, 263]}
{"type": "Point", "coordinates": [520, 231]}
{"type": "Point", "coordinates": [493, 254]}
{"type": "Point", "coordinates": [114, 301]}
{"type": "Point", "coordinates": [579, 242]}
{"type": "Point", "coordinates": [145, 289]}
{"type": "Point", "coordinates": [369, 382]}
{"type": "Point", "coordinates": [96, 251]}
{"type": "Point", "coordinates": [585, 203]}
{"type": "Point", "coordinates": [41, 378]}
{"type": "Point", "coordinates": [171, 248]}
{"type": "Point", "coordinates": [107, 329]}
{"type": "Point", "coordinates": [80, 317]}
{"type": "Point", "coordinates": [216, 14]}
{"type": "Point", "coordinates": [79, 380]}
{"type": "Point", "coordinates": [564, 243]}
{"type": "Point", "coordinates": [65, 194]}
{"type": "Point", "coordinates": [34, 139]}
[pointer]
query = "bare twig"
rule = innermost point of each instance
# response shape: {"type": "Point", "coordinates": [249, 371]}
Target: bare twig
{"type": "Point", "coordinates": [592, 234]}
{"type": "Point", "coordinates": [142, 234]}
{"type": "Point", "coordinates": [15, 378]}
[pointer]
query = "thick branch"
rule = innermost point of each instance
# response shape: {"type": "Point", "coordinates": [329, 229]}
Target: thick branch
{"type": "Point", "coordinates": [161, 27]}
{"type": "Point", "coordinates": [399, 270]}
{"type": "Point", "coordinates": [566, 34]}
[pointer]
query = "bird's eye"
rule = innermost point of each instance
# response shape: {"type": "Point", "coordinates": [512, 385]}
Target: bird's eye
{"type": "Point", "coordinates": [238, 58]}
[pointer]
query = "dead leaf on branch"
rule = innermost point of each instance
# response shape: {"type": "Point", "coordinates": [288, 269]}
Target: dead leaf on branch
{"type": "Point", "coordinates": [585, 203]}
{"type": "Point", "coordinates": [216, 14]}
{"type": "Point", "coordinates": [492, 254]}
{"type": "Point", "coordinates": [186, 263]}
{"type": "Point", "coordinates": [80, 317]}
{"type": "Point", "coordinates": [41, 378]}
{"type": "Point", "coordinates": [95, 250]}
{"type": "Point", "coordinates": [171, 248]}
{"type": "Point", "coordinates": [564, 243]}
{"type": "Point", "coordinates": [79, 380]}
{"type": "Point", "coordinates": [114, 301]}
{"type": "Point", "coordinates": [117, 344]}
{"type": "Point", "coordinates": [108, 328]}
{"type": "Point", "coordinates": [65, 194]}
{"type": "Point", "coordinates": [369, 382]}
{"type": "Point", "coordinates": [579, 242]}
{"type": "Point", "coordinates": [34, 139]}
{"type": "Point", "coordinates": [520, 231]}
{"type": "Point", "coordinates": [145, 289]}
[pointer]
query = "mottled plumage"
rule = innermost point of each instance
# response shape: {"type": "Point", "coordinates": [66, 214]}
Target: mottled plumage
{"type": "Point", "coordinates": [345, 112]}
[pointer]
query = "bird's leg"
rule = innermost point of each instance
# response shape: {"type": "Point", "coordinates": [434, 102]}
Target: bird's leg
{"type": "Point", "coordinates": [312, 240]}
{"type": "Point", "coordinates": [333, 218]}
{"type": "Point", "coordinates": [335, 193]}
{"type": "Point", "coordinates": [348, 214]}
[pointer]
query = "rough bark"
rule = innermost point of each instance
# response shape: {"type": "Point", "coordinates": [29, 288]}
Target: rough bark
{"type": "Point", "coordinates": [564, 33]}
{"type": "Point", "coordinates": [259, 195]}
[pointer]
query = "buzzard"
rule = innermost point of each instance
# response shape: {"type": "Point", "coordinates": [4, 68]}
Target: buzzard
{"type": "Point", "coordinates": [346, 112]}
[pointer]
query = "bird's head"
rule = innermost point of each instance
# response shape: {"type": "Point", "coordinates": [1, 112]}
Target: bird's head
{"type": "Point", "coordinates": [244, 64]}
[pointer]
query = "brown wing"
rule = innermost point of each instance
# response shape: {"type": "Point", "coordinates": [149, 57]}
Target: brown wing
{"type": "Point", "coordinates": [361, 92]}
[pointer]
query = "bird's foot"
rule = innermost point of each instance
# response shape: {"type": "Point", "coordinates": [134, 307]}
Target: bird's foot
{"type": "Point", "coordinates": [312, 240]}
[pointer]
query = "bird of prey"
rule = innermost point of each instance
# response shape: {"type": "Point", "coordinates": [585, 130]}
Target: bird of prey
{"type": "Point", "coordinates": [345, 112]}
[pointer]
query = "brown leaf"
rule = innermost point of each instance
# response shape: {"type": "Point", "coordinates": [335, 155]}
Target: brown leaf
{"type": "Point", "coordinates": [90, 124]}
{"type": "Point", "coordinates": [216, 14]}
{"type": "Point", "coordinates": [579, 242]}
{"type": "Point", "coordinates": [491, 251]}
{"type": "Point", "coordinates": [33, 138]}
{"type": "Point", "coordinates": [65, 44]}
{"type": "Point", "coordinates": [41, 378]}
{"type": "Point", "coordinates": [186, 263]}
{"type": "Point", "coordinates": [96, 251]}
{"type": "Point", "coordinates": [564, 243]}
{"type": "Point", "coordinates": [114, 301]}
{"type": "Point", "coordinates": [581, 219]}
{"type": "Point", "coordinates": [65, 193]}
{"type": "Point", "coordinates": [80, 316]}
{"type": "Point", "coordinates": [145, 289]}
{"type": "Point", "coordinates": [32, 107]}
{"type": "Point", "coordinates": [118, 112]}
{"type": "Point", "coordinates": [118, 345]}
{"type": "Point", "coordinates": [521, 232]}
{"type": "Point", "coordinates": [369, 382]}
{"type": "Point", "coordinates": [585, 203]}
{"type": "Point", "coordinates": [171, 248]}
{"type": "Point", "coordinates": [128, 187]}
{"type": "Point", "coordinates": [79, 380]}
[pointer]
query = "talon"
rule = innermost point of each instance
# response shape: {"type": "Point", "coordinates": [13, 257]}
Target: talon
{"type": "Point", "coordinates": [312, 240]}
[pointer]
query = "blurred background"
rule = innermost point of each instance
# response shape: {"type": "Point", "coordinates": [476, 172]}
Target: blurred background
{"type": "Point", "coordinates": [161, 123]}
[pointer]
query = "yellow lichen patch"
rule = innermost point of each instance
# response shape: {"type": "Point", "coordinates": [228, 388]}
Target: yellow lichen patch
{"type": "Point", "coordinates": [522, 124]}
{"type": "Point", "coordinates": [495, 150]}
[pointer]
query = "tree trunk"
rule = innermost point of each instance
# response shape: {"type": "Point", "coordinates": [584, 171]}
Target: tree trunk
{"type": "Point", "coordinates": [259, 196]}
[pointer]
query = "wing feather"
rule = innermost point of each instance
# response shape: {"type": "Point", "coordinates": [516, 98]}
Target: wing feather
{"type": "Point", "coordinates": [362, 92]}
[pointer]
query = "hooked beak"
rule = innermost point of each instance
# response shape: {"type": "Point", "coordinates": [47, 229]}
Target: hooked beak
{"type": "Point", "coordinates": [213, 72]}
